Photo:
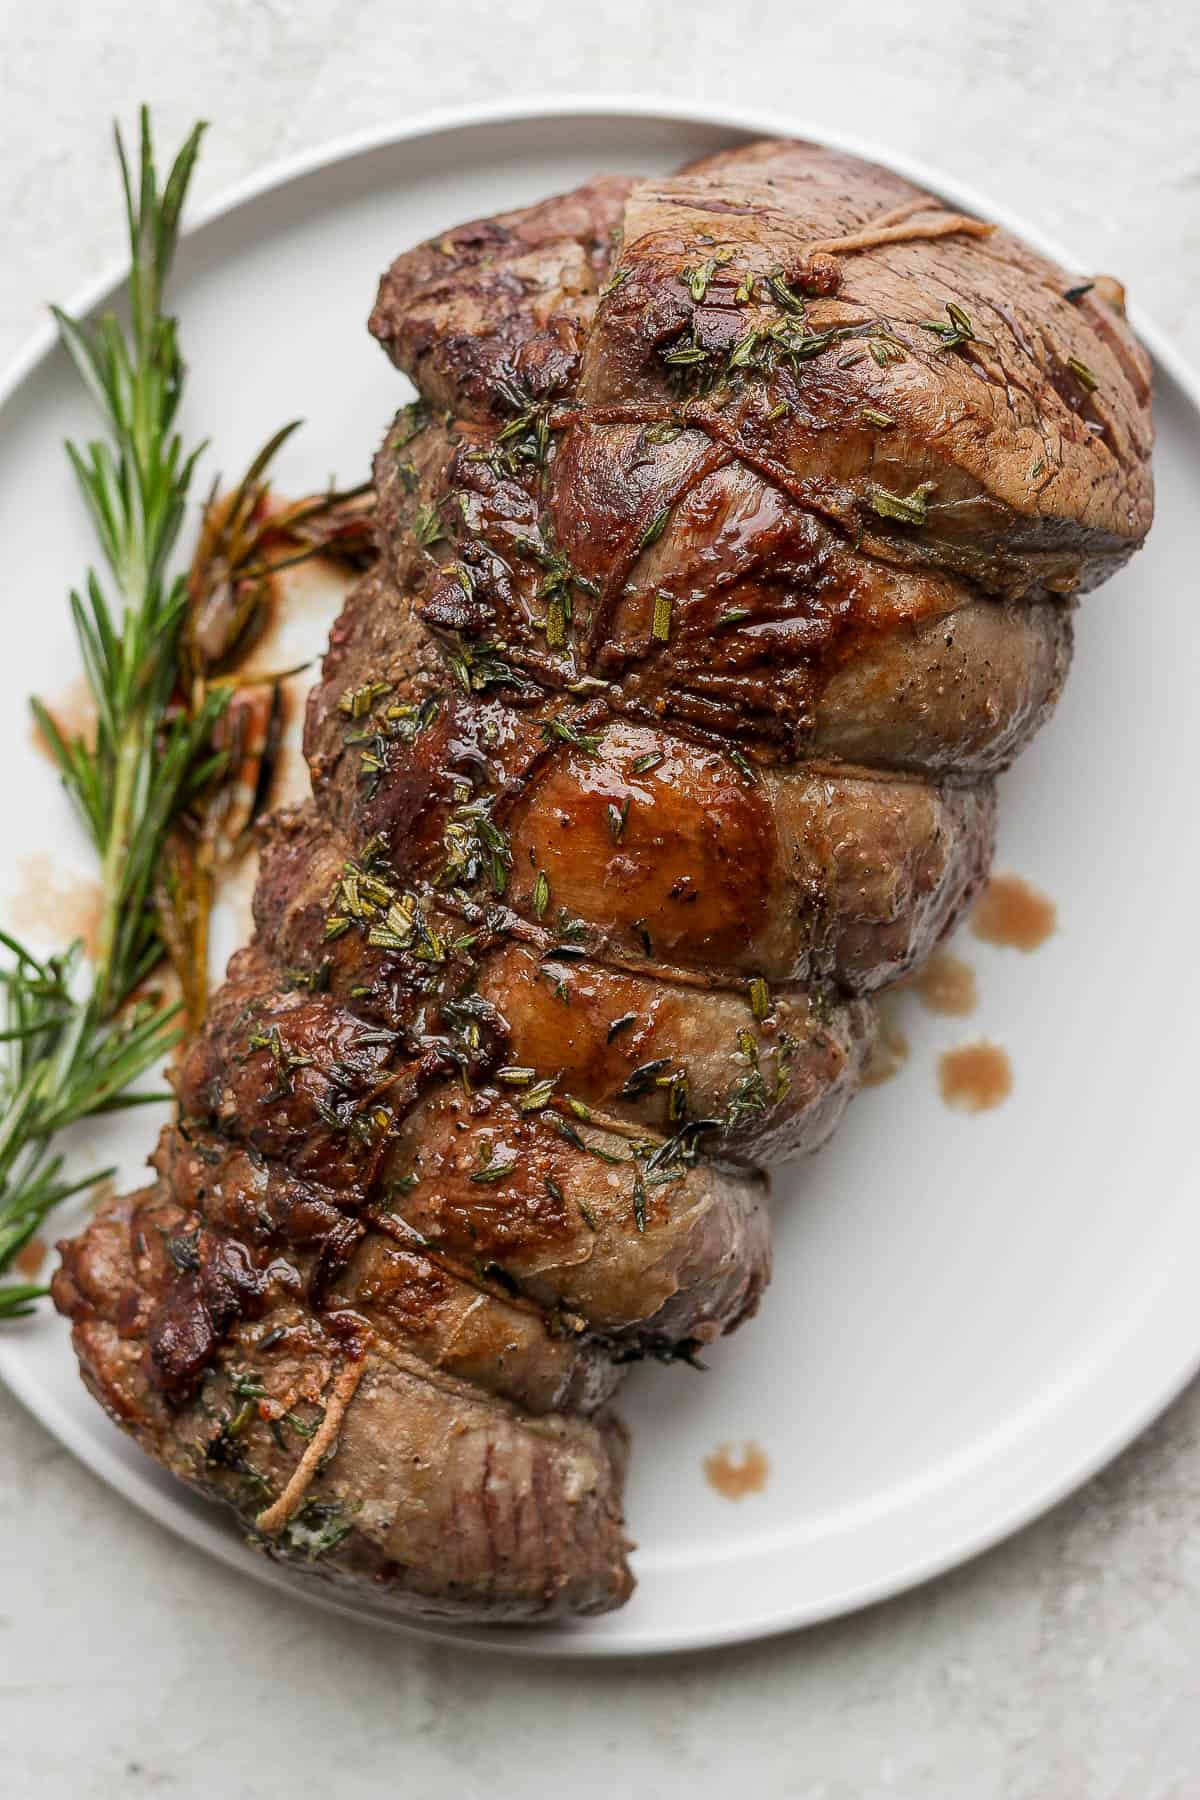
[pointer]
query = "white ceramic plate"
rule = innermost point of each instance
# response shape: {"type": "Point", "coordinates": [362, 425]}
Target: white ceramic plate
{"type": "Point", "coordinates": [969, 1314]}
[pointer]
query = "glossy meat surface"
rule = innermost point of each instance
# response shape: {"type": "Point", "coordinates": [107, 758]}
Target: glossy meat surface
{"type": "Point", "coordinates": [726, 558]}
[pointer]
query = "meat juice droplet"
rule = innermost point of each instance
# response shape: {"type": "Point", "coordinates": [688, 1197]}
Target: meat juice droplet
{"type": "Point", "coordinates": [28, 1260]}
{"type": "Point", "coordinates": [975, 1077]}
{"type": "Point", "coordinates": [734, 1477]}
{"type": "Point", "coordinates": [49, 904]}
{"type": "Point", "coordinates": [946, 984]}
{"type": "Point", "coordinates": [74, 712]}
{"type": "Point", "coordinates": [1011, 913]}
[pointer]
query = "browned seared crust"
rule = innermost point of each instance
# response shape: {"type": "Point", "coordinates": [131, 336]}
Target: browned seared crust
{"type": "Point", "coordinates": [727, 558]}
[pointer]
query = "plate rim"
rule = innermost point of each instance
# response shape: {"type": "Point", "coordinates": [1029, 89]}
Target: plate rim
{"type": "Point", "coordinates": [959, 1547]}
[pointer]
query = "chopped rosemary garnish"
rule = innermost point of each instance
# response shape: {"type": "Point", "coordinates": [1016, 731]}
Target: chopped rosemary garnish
{"type": "Point", "coordinates": [479, 666]}
{"type": "Point", "coordinates": [882, 420]}
{"type": "Point", "coordinates": [427, 527]}
{"type": "Point", "coordinates": [910, 509]}
{"type": "Point", "coordinates": [320, 1525]}
{"type": "Point", "coordinates": [660, 626]}
{"type": "Point", "coordinates": [696, 280]}
{"type": "Point", "coordinates": [537, 1096]}
{"type": "Point", "coordinates": [357, 702]}
{"type": "Point", "coordinates": [569, 734]}
{"type": "Point", "coordinates": [494, 1170]}
{"type": "Point", "coordinates": [885, 349]}
{"type": "Point", "coordinates": [639, 1200]}
{"type": "Point", "coordinates": [1083, 374]}
{"type": "Point", "coordinates": [614, 281]}
{"type": "Point", "coordinates": [617, 818]}
{"type": "Point", "coordinates": [685, 353]}
{"type": "Point", "coordinates": [957, 332]}
{"type": "Point", "coordinates": [782, 293]}
{"type": "Point", "coordinates": [656, 527]}
{"type": "Point", "coordinates": [642, 765]}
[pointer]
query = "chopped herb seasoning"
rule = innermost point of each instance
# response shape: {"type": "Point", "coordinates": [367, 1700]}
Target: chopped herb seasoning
{"type": "Point", "coordinates": [613, 283]}
{"type": "Point", "coordinates": [184, 1252]}
{"type": "Point", "coordinates": [621, 1024]}
{"type": "Point", "coordinates": [541, 894]}
{"type": "Point", "coordinates": [696, 280]}
{"type": "Point", "coordinates": [643, 1078]}
{"type": "Point", "coordinates": [617, 817]}
{"type": "Point", "coordinates": [782, 294]}
{"type": "Point", "coordinates": [639, 1200]}
{"type": "Point", "coordinates": [1082, 374]}
{"type": "Point", "coordinates": [880, 419]}
{"type": "Point", "coordinates": [734, 616]}
{"type": "Point", "coordinates": [527, 437]}
{"type": "Point", "coordinates": [910, 509]}
{"type": "Point", "coordinates": [660, 627]}
{"type": "Point", "coordinates": [566, 1130]}
{"type": "Point", "coordinates": [357, 702]}
{"type": "Point", "coordinates": [681, 1149]}
{"type": "Point", "coordinates": [655, 529]}
{"type": "Point", "coordinates": [569, 734]}
{"type": "Point", "coordinates": [319, 1526]}
{"type": "Point", "coordinates": [686, 353]}
{"type": "Point", "coordinates": [956, 333]}
{"type": "Point", "coordinates": [885, 349]}
{"type": "Point", "coordinates": [494, 1171]}
{"type": "Point", "coordinates": [642, 765]}
{"type": "Point", "coordinates": [538, 1096]}
{"type": "Point", "coordinates": [427, 527]}
{"type": "Point", "coordinates": [760, 998]}
{"type": "Point", "coordinates": [479, 666]}
{"type": "Point", "coordinates": [414, 418]}
{"type": "Point", "coordinates": [513, 1076]}
{"type": "Point", "coordinates": [474, 846]}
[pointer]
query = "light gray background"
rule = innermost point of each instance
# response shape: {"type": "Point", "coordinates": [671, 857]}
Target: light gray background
{"type": "Point", "coordinates": [1063, 1666]}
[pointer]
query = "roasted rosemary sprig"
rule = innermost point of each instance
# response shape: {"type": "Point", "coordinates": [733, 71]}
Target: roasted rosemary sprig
{"type": "Point", "coordinates": [246, 540]}
{"type": "Point", "coordinates": [71, 1050]}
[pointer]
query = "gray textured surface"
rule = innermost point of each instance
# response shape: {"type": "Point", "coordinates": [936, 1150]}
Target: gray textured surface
{"type": "Point", "coordinates": [1064, 1665]}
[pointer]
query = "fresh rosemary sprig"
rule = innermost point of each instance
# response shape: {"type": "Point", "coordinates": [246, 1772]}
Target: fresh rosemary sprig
{"type": "Point", "coordinates": [63, 1061]}
{"type": "Point", "coordinates": [70, 1050]}
{"type": "Point", "coordinates": [130, 782]}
